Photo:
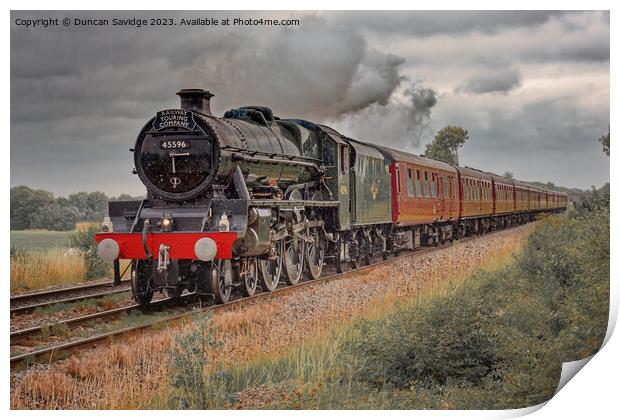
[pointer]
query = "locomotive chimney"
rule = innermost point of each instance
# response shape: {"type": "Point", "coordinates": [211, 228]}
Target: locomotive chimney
{"type": "Point", "coordinates": [196, 100]}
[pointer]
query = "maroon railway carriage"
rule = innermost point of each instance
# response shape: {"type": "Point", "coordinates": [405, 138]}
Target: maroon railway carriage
{"type": "Point", "coordinates": [424, 191]}
{"type": "Point", "coordinates": [503, 196]}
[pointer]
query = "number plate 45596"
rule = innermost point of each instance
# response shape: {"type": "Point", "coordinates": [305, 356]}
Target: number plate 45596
{"type": "Point", "coordinates": [174, 144]}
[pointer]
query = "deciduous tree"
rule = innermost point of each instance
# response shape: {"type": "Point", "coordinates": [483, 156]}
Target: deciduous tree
{"type": "Point", "coordinates": [445, 145]}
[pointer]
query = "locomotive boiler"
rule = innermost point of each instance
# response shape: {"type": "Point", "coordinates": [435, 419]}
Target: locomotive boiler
{"type": "Point", "coordinates": [249, 199]}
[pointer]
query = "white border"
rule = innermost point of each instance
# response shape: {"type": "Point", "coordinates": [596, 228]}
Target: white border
{"type": "Point", "coordinates": [592, 394]}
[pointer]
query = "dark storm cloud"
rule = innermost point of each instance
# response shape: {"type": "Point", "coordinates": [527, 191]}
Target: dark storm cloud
{"type": "Point", "coordinates": [547, 140]}
{"type": "Point", "coordinates": [429, 23]}
{"type": "Point", "coordinates": [501, 80]}
{"type": "Point", "coordinates": [80, 95]}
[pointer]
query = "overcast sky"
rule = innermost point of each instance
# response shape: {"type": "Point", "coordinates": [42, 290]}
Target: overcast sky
{"type": "Point", "coordinates": [532, 88]}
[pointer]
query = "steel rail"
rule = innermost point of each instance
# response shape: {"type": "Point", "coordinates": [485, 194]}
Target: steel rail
{"type": "Point", "coordinates": [50, 351]}
{"type": "Point", "coordinates": [64, 290]}
{"type": "Point", "coordinates": [26, 332]}
{"type": "Point", "coordinates": [29, 308]}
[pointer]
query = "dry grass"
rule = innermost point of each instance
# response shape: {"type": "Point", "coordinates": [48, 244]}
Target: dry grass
{"type": "Point", "coordinates": [134, 374]}
{"type": "Point", "coordinates": [34, 270]}
{"type": "Point", "coordinates": [41, 269]}
{"type": "Point", "coordinates": [81, 226]}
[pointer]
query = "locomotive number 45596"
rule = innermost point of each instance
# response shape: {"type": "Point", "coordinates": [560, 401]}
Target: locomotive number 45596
{"type": "Point", "coordinates": [175, 144]}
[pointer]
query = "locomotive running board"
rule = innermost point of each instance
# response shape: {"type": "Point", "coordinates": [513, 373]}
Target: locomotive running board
{"type": "Point", "coordinates": [293, 203]}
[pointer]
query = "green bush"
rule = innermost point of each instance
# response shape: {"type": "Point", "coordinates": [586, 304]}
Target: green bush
{"type": "Point", "coordinates": [499, 341]}
{"type": "Point", "coordinates": [84, 240]}
{"type": "Point", "coordinates": [187, 363]}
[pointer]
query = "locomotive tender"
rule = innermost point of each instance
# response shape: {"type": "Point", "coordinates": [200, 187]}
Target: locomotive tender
{"type": "Point", "coordinates": [251, 199]}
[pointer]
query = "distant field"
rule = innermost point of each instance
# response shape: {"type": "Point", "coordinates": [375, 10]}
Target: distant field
{"type": "Point", "coordinates": [31, 240]}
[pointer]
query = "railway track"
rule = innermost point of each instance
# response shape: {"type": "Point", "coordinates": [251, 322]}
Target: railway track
{"type": "Point", "coordinates": [25, 303]}
{"type": "Point", "coordinates": [47, 354]}
{"type": "Point", "coordinates": [27, 333]}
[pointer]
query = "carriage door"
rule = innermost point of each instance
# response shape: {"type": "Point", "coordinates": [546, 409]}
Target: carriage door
{"type": "Point", "coordinates": [344, 195]}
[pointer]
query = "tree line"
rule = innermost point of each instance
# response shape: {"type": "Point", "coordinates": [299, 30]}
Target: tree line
{"type": "Point", "coordinates": [39, 209]}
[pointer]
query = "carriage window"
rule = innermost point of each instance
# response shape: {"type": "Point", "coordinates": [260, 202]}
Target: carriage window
{"type": "Point", "coordinates": [433, 185]}
{"type": "Point", "coordinates": [409, 183]}
{"type": "Point", "coordinates": [344, 159]}
{"type": "Point", "coordinates": [467, 190]}
{"type": "Point", "coordinates": [426, 185]}
{"type": "Point", "coordinates": [397, 179]}
{"type": "Point", "coordinates": [446, 188]}
{"type": "Point", "coordinates": [418, 186]}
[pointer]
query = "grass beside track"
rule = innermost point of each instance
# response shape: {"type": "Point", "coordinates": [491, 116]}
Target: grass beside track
{"type": "Point", "coordinates": [40, 240]}
{"type": "Point", "coordinates": [492, 339]}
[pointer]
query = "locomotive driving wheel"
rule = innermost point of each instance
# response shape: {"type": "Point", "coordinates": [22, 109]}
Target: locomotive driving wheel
{"type": "Point", "coordinates": [270, 269]}
{"type": "Point", "coordinates": [141, 281]}
{"type": "Point", "coordinates": [249, 276]}
{"type": "Point", "coordinates": [217, 282]}
{"type": "Point", "coordinates": [315, 254]}
{"type": "Point", "coordinates": [293, 258]}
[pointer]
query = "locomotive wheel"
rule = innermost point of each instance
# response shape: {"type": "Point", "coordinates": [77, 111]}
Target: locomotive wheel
{"type": "Point", "coordinates": [270, 271]}
{"type": "Point", "coordinates": [141, 278]}
{"type": "Point", "coordinates": [293, 259]}
{"type": "Point", "coordinates": [315, 255]}
{"type": "Point", "coordinates": [249, 276]}
{"type": "Point", "coordinates": [217, 281]}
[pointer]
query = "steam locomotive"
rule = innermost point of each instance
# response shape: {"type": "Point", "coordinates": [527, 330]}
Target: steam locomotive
{"type": "Point", "coordinates": [250, 200]}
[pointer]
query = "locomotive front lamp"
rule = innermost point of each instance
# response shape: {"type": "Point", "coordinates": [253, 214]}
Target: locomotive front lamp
{"type": "Point", "coordinates": [224, 224]}
{"type": "Point", "coordinates": [107, 226]}
{"type": "Point", "coordinates": [166, 224]}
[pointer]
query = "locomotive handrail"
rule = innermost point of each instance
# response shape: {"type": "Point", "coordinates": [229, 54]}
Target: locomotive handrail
{"type": "Point", "coordinates": [270, 154]}
{"type": "Point", "coordinates": [238, 156]}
